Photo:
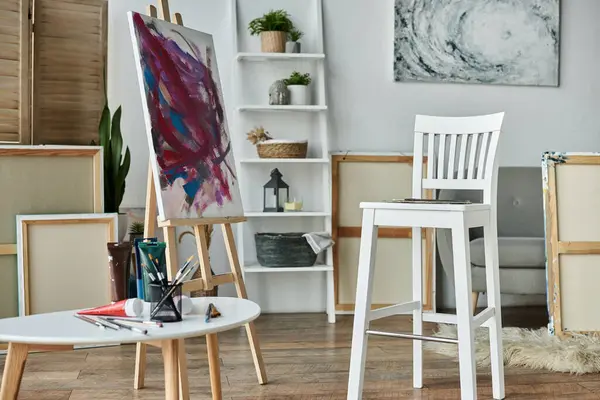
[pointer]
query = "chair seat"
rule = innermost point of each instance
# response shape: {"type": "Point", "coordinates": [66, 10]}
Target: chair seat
{"type": "Point", "coordinates": [425, 206]}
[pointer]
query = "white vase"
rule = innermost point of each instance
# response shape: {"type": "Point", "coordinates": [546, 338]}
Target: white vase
{"type": "Point", "coordinates": [299, 95]}
{"type": "Point", "coordinates": [122, 227]}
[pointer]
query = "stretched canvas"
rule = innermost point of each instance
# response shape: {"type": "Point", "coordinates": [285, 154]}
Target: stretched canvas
{"type": "Point", "coordinates": [511, 42]}
{"type": "Point", "coordinates": [190, 148]}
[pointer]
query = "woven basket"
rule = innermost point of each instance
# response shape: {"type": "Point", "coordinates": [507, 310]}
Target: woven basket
{"type": "Point", "coordinates": [273, 42]}
{"type": "Point", "coordinates": [282, 149]}
{"type": "Point", "coordinates": [283, 250]}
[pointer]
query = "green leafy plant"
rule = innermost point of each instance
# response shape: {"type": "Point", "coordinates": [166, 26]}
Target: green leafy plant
{"type": "Point", "coordinates": [136, 228]}
{"type": "Point", "coordinates": [298, 79]}
{"type": "Point", "coordinates": [274, 20]}
{"type": "Point", "coordinates": [295, 35]}
{"type": "Point", "coordinates": [116, 165]}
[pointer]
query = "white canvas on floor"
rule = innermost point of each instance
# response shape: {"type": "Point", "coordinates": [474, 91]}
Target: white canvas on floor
{"type": "Point", "coordinates": [190, 146]}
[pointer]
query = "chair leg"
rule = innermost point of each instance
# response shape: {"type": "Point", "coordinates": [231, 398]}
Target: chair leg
{"type": "Point", "coordinates": [417, 293]}
{"type": "Point", "coordinates": [492, 275]}
{"type": "Point", "coordinates": [366, 267]}
{"type": "Point", "coordinates": [475, 297]}
{"type": "Point", "coordinates": [466, 334]}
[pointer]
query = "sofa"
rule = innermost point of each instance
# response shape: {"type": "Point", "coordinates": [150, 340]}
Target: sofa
{"type": "Point", "coordinates": [521, 247]}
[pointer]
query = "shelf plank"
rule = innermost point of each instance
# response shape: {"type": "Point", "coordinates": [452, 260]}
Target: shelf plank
{"type": "Point", "coordinates": [285, 161]}
{"type": "Point", "coordinates": [259, 214]}
{"type": "Point", "coordinates": [315, 268]}
{"type": "Point", "coordinates": [268, 108]}
{"type": "Point", "coordinates": [279, 56]}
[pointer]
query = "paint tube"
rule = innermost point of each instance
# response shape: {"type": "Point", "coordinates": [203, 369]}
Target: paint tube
{"type": "Point", "coordinates": [124, 308]}
{"type": "Point", "coordinates": [119, 265]}
{"type": "Point", "coordinates": [152, 258]}
{"type": "Point", "coordinates": [183, 304]}
{"type": "Point", "coordinates": [138, 266]}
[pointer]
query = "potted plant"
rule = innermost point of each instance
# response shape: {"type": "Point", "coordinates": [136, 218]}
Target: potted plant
{"type": "Point", "coordinates": [136, 230]}
{"type": "Point", "coordinates": [293, 45]}
{"type": "Point", "coordinates": [297, 84]}
{"type": "Point", "coordinates": [273, 29]}
{"type": "Point", "coordinates": [116, 165]}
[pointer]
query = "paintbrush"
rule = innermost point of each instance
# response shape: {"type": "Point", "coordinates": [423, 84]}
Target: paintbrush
{"type": "Point", "coordinates": [183, 268]}
{"type": "Point", "coordinates": [161, 277]}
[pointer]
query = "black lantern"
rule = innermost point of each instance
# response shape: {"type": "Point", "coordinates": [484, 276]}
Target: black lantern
{"type": "Point", "coordinates": [274, 196]}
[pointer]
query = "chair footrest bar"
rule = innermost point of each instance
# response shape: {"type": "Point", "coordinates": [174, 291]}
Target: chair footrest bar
{"type": "Point", "coordinates": [413, 337]}
{"type": "Point", "coordinates": [440, 318]}
{"type": "Point", "coordinates": [403, 308]}
{"type": "Point", "coordinates": [483, 317]}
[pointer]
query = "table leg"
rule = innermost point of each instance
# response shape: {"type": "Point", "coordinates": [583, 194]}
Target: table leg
{"type": "Point", "coordinates": [214, 365]}
{"type": "Point", "coordinates": [13, 370]}
{"type": "Point", "coordinates": [140, 366]}
{"type": "Point", "coordinates": [184, 388]}
{"type": "Point", "coordinates": [170, 352]}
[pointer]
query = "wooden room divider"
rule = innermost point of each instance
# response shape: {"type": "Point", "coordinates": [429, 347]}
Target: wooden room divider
{"type": "Point", "coordinates": [52, 69]}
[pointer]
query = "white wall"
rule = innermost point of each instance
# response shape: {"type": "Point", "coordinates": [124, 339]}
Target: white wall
{"type": "Point", "coordinates": [369, 112]}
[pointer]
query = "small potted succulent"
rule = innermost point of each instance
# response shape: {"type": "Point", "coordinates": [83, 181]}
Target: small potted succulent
{"type": "Point", "coordinates": [293, 45]}
{"type": "Point", "coordinates": [297, 84]}
{"type": "Point", "coordinates": [273, 29]}
{"type": "Point", "coordinates": [136, 230]}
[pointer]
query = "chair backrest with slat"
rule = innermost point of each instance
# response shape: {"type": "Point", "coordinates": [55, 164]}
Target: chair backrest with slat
{"type": "Point", "coordinates": [461, 154]}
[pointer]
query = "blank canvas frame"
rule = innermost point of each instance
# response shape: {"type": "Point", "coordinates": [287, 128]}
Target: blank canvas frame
{"type": "Point", "coordinates": [63, 261]}
{"type": "Point", "coordinates": [390, 176]}
{"type": "Point", "coordinates": [42, 180]}
{"type": "Point", "coordinates": [571, 184]}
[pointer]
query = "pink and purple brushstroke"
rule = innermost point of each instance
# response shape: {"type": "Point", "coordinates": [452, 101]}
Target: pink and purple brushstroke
{"type": "Point", "coordinates": [189, 131]}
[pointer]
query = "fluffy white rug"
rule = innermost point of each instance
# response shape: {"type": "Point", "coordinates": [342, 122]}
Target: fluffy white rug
{"type": "Point", "coordinates": [533, 349]}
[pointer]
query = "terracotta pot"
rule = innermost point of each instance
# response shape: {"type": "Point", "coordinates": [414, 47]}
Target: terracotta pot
{"type": "Point", "coordinates": [273, 42]}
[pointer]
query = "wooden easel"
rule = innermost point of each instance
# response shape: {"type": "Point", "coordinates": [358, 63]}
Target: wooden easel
{"type": "Point", "coordinates": [206, 282]}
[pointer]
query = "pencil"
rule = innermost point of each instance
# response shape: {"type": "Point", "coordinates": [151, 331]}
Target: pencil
{"type": "Point", "coordinates": [128, 327]}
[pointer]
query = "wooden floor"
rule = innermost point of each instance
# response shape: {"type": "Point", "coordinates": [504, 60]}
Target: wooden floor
{"type": "Point", "coordinates": [306, 358]}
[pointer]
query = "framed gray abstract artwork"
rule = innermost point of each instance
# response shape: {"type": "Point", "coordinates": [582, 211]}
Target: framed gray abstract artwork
{"type": "Point", "coordinates": [509, 42]}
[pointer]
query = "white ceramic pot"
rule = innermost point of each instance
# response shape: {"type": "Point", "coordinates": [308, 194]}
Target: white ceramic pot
{"type": "Point", "coordinates": [293, 47]}
{"type": "Point", "coordinates": [299, 95]}
{"type": "Point", "coordinates": [122, 227]}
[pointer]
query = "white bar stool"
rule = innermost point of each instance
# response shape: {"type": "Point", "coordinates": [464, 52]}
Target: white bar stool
{"type": "Point", "coordinates": [471, 142]}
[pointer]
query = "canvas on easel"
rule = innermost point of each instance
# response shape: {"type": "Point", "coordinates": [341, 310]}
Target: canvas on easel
{"type": "Point", "coordinates": [191, 179]}
{"type": "Point", "coordinates": [191, 153]}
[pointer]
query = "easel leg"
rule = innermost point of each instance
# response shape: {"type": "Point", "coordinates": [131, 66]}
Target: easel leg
{"type": "Point", "coordinates": [241, 292]}
{"type": "Point", "coordinates": [149, 231]}
{"type": "Point", "coordinates": [172, 267]}
{"type": "Point", "coordinates": [13, 371]}
{"type": "Point", "coordinates": [214, 365]}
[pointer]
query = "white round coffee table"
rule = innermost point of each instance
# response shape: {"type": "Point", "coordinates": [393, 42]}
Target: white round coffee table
{"type": "Point", "coordinates": [62, 328]}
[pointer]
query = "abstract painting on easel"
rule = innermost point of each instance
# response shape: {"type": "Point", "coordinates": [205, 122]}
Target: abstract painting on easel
{"type": "Point", "coordinates": [194, 169]}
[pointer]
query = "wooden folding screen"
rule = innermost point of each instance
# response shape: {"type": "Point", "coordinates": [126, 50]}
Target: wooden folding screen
{"type": "Point", "coordinates": [14, 71]}
{"type": "Point", "coordinates": [69, 62]}
{"type": "Point", "coordinates": [359, 178]}
{"type": "Point", "coordinates": [52, 67]}
{"type": "Point", "coordinates": [571, 184]}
